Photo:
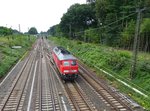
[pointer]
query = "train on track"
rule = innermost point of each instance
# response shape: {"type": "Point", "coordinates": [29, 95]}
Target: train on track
{"type": "Point", "coordinates": [66, 63]}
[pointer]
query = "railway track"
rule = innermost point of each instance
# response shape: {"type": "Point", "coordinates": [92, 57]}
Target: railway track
{"type": "Point", "coordinates": [47, 97]}
{"type": "Point", "coordinates": [78, 98]}
{"type": "Point", "coordinates": [112, 97]}
{"type": "Point", "coordinates": [38, 93]}
{"type": "Point", "coordinates": [15, 97]}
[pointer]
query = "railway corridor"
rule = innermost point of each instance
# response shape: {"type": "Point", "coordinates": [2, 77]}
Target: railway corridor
{"type": "Point", "coordinates": [34, 84]}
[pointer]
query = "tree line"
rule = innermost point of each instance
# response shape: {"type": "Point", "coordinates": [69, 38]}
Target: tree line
{"type": "Point", "coordinates": [109, 22]}
{"type": "Point", "coordinates": [4, 31]}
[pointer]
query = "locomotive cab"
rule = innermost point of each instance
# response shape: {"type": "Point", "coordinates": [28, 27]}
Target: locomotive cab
{"type": "Point", "coordinates": [69, 69]}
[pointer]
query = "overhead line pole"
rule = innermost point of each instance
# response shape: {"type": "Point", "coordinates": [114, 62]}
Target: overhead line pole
{"type": "Point", "coordinates": [136, 43]}
{"type": "Point", "coordinates": [70, 31]}
{"type": "Point", "coordinates": [19, 28]}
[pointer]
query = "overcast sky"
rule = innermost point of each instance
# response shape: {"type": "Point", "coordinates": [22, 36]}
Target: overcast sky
{"type": "Point", "coordinates": [41, 14]}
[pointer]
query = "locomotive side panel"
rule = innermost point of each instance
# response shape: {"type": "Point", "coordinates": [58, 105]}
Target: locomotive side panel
{"type": "Point", "coordinates": [56, 60]}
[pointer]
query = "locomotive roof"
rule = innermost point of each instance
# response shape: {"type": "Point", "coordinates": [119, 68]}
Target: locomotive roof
{"type": "Point", "coordinates": [63, 54]}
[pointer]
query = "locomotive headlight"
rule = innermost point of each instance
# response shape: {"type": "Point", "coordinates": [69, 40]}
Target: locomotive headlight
{"type": "Point", "coordinates": [74, 70]}
{"type": "Point", "coordinates": [66, 70]}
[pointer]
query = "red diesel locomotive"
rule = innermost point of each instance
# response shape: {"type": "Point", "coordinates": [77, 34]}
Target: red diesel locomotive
{"type": "Point", "coordinates": [66, 63]}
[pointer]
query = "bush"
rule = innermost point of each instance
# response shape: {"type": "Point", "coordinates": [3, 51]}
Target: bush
{"type": "Point", "coordinates": [10, 56]}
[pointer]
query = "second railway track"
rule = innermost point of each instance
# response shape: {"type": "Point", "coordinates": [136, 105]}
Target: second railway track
{"type": "Point", "coordinates": [47, 97]}
{"type": "Point", "coordinates": [112, 97]}
{"type": "Point", "coordinates": [78, 98]}
{"type": "Point", "coordinates": [15, 97]}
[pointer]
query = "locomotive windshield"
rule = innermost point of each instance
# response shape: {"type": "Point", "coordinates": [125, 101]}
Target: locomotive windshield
{"type": "Point", "coordinates": [66, 63]}
{"type": "Point", "coordinates": [63, 51]}
{"type": "Point", "coordinates": [73, 63]}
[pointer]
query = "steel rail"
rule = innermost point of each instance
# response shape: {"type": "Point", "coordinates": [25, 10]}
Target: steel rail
{"type": "Point", "coordinates": [71, 97]}
{"type": "Point", "coordinates": [51, 86]}
{"type": "Point", "coordinates": [27, 78]}
{"type": "Point", "coordinates": [7, 97]}
{"type": "Point", "coordinates": [15, 83]}
{"type": "Point", "coordinates": [52, 83]}
{"type": "Point", "coordinates": [87, 103]}
{"type": "Point", "coordinates": [40, 82]}
{"type": "Point", "coordinates": [105, 88]}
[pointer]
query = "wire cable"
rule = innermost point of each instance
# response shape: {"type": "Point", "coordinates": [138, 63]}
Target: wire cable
{"type": "Point", "coordinates": [110, 23]}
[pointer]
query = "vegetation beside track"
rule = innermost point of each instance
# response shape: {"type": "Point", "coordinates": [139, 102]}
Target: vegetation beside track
{"type": "Point", "coordinates": [116, 62]}
{"type": "Point", "coordinates": [8, 55]}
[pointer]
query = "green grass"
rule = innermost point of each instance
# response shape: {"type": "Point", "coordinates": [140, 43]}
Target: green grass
{"type": "Point", "coordinates": [116, 62]}
{"type": "Point", "coordinates": [9, 56]}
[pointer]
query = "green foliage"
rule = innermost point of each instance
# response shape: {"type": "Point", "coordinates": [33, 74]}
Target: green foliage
{"type": "Point", "coordinates": [5, 31]}
{"type": "Point", "coordinates": [6, 64]}
{"type": "Point", "coordinates": [9, 56]}
{"type": "Point", "coordinates": [145, 27]}
{"type": "Point", "coordinates": [128, 34]}
{"type": "Point", "coordinates": [54, 30]}
{"type": "Point", "coordinates": [109, 22]}
{"type": "Point", "coordinates": [101, 10]}
{"type": "Point", "coordinates": [145, 66]}
{"type": "Point", "coordinates": [78, 18]}
{"type": "Point", "coordinates": [92, 35]}
{"type": "Point", "coordinates": [116, 62]}
{"type": "Point", "coordinates": [33, 31]}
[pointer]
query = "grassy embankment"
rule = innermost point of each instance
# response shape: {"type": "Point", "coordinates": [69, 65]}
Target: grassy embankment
{"type": "Point", "coordinates": [8, 55]}
{"type": "Point", "coordinates": [117, 63]}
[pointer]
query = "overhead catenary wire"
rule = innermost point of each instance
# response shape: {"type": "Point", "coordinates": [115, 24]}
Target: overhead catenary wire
{"type": "Point", "coordinates": [108, 24]}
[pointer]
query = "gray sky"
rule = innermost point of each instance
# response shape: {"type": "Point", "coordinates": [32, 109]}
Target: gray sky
{"type": "Point", "coordinates": [33, 13]}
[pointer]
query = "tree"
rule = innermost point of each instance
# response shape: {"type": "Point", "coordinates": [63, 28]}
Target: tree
{"type": "Point", "coordinates": [78, 18]}
{"type": "Point", "coordinates": [116, 21]}
{"type": "Point", "coordinates": [15, 31]}
{"type": "Point", "coordinates": [127, 36]}
{"type": "Point", "coordinates": [33, 31]}
{"type": "Point", "coordinates": [5, 31]}
{"type": "Point", "coordinates": [101, 10]}
{"type": "Point", "coordinates": [145, 32]}
{"type": "Point", "coordinates": [54, 30]}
